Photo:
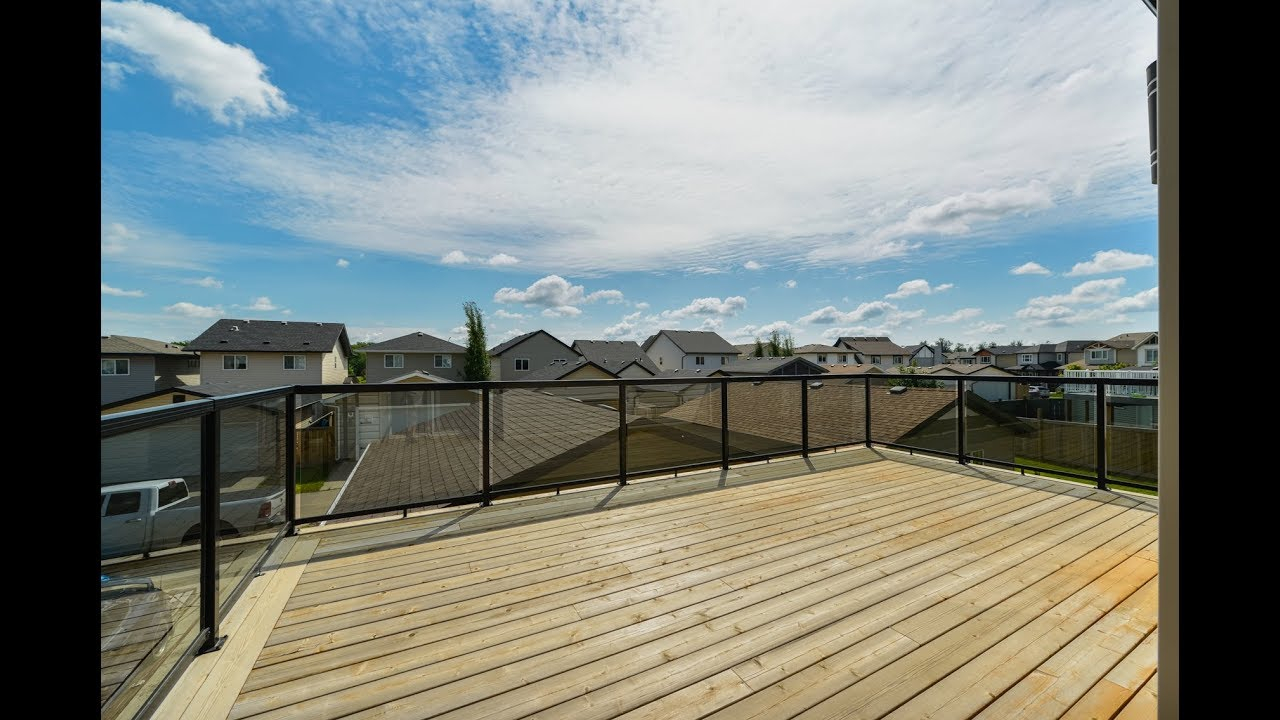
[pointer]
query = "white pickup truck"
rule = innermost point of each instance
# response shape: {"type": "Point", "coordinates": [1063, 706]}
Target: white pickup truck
{"type": "Point", "coordinates": [152, 515]}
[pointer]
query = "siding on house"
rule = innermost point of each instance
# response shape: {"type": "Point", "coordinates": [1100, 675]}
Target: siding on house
{"type": "Point", "coordinates": [140, 380]}
{"type": "Point", "coordinates": [539, 348]}
{"type": "Point", "coordinates": [670, 357]}
{"type": "Point", "coordinates": [174, 371]}
{"type": "Point", "coordinates": [155, 401]}
{"type": "Point", "coordinates": [334, 365]}
{"type": "Point", "coordinates": [264, 370]}
{"type": "Point", "coordinates": [375, 372]}
{"type": "Point", "coordinates": [634, 370]}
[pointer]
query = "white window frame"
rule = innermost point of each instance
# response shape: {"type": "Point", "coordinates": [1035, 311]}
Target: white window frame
{"type": "Point", "coordinates": [822, 357]}
{"type": "Point", "coordinates": [444, 362]}
{"type": "Point", "coordinates": [724, 359]}
{"type": "Point", "coordinates": [897, 359]}
{"type": "Point", "coordinates": [1026, 358]}
{"type": "Point", "coordinates": [389, 361]}
{"type": "Point", "coordinates": [987, 359]}
{"type": "Point", "coordinates": [115, 366]}
{"type": "Point", "coordinates": [844, 358]}
{"type": "Point", "coordinates": [1151, 356]}
{"type": "Point", "coordinates": [296, 358]}
{"type": "Point", "coordinates": [519, 362]}
{"type": "Point", "coordinates": [875, 359]}
{"type": "Point", "coordinates": [699, 359]}
{"type": "Point", "coordinates": [1100, 354]}
{"type": "Point", "coordinates": [234, 363]}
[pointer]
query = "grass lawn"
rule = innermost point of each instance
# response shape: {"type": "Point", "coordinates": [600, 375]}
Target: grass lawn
{"type": "Point", "coordinates": [1032, 462]}
{"type": "Point", "coordinates": [311, 479]}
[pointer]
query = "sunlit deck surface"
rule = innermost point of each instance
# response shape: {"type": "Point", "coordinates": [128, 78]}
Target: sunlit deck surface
{"type": "Point", "coordinates": [863, 583]}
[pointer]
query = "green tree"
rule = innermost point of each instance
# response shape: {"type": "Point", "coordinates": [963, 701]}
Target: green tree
{"type": "Point", "coordinates": [788, 346]}
{"type": "Point", "coordinates": [476, 362]}
{"type": "Point", "coordinates": [775, 344]}
{"type": "Point", "coordinates": [356, 360]}
{"type": "Point", "coordinates": [759, 350]}
{"type": "Point", "coordinates": [944, 345]}
{"type": "Point", "coordinates": [911, 380]}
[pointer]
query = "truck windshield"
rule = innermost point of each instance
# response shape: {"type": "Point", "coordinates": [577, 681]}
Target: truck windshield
{"type": "Point", "coordinates": [170, 494]}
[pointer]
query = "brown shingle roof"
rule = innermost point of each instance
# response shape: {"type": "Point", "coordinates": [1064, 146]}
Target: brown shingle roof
{"type": "Point", "coordinates": [129, 345]}
{"type": "Point", "coordinates": [272, 336]}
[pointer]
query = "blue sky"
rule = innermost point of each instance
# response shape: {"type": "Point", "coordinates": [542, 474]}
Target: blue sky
{"type": "Point", "coordinates": [973, 171]}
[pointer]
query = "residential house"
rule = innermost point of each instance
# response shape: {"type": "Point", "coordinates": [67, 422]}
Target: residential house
{"type": "Point", "coordinates": [875, 350]}
{"type": "Point", "coordinates": [252, 354]}
{"type": "Point", "coordinates": [1045, 358]}
{"type": "Point", "coordinates": [517, 357]}
{"type": "Point", "coordinates": [985, 356]}
{"type": "Point", "coordinates": [133, 367]}
{"type": "Point", "coordinates": [164, 396]}
{"type": "Point", "coordinates": [923, 355]}
{"type": "Point", "coordinates": [675, 349]}
{"type": "Point", "coordinates": [992, 390]}
{"type": "Point", "coordinates": [622, 358]}
{"type": "Point", "coordinates": [824, 354]}
{"type": "Point", "coordinates": [418, 351]}
{"type": "Point", "coordinates": [794, 365]}
{"type": "Point", "coordinates": [965, 357]}
{"type": "Point", "coordinates": [746, 349]}
{"type": "Point", "coordinates": [854, 369]}
{"type": "Point", "coordinates": [1140, 349]}
{"type": "Point", "coordinates": [1002, 356]}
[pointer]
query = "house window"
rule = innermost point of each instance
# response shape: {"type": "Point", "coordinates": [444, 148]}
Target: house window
{"type": "Point", "coordinates": [118, 366]}
{"type": "Point", "coordinates": [897, 359]}
{"type": "Point", "coordinates": [822, 358]}
{"type": "Point", "coordinates": [444, 361]}
{"type": "Point", "coordinates": [724, 360]}
{"type": "Point", "coordinates": [391, 360]}
{"type": "Point", "coordinates": [1101, 355]}
{"type": "Point", "coordinates": [235, 362]}
{"type": "Point", "coordinates": [699, 360]}
{"type": "Point", "coordinates": [987, 359]}
{"type": "Point", "coordinates": [193, 363]}
{"type": "Point", "coordinates": [522, 363]}
{"type": "Point", "coordinates": [1026, 359]}
{"type": "Point", "coordinates": [844, 358]}
{"type": "Point", "coordinates": [295, 362]}
{"type": "Point", "coordinates": [1150, 356]}
{"type": "Point", "coordinates": [659, 359]}
{"type": "Point", "coordinates": [875, 359]}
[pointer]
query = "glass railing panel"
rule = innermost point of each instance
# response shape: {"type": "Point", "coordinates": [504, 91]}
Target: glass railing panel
{"type": "Point", "coordinates": [672, 426]}
{"type": "Point", "coordinates": [419, 446]}
{"type": "Point", "coordinates": [837, 411]}
{"type": "Point", "coordinates": [547, 435]}
{"type": "Point", "coordinates": [764, 417]}
{"type": "Point", "coordinates": [914, 411]}
{"type": "Point", "coordinates": [251, 488]}
{"type": "Point", "coordinates": [150, 566]}
{"type": "Point", "coordinates": [1048, 426]}
{"type": "Point", "coordinates": [1132, 436]}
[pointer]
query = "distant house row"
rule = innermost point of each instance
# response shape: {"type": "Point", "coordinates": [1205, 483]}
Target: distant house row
{"type": "Point", "coordinates": [233, 356]}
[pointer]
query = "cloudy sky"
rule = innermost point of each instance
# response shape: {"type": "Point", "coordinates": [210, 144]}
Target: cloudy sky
{"type": "Point", "coordinates": [969, 170]}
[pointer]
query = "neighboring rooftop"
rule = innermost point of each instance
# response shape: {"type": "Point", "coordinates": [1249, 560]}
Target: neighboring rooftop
{"type": "Point", "coordinates": [129, 345]}
{"type": "Point", "coordinates": [416, 342]}
{"type": "Point", "coordinates": [272, 336]}
{"type": "Point", "coordinates": [613, 355]}
{"type": "Point", "coordinates": [794, 365]}
{"type": "Point", "coordinates": [557, 369]}
{"type": "Point", "coordinates": [505, 346]}
{"type": "Point", "coordinates": [819, 348]}
{"type": "Point", "coordinates": [871, 345]}
{"type": "Point", "coordinates": [1129, 341]}
{"type": "Point", "coordinates": [695, 341]}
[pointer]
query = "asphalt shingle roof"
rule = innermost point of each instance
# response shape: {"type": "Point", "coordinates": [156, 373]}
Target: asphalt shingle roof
{"type": "Point", "coordinates": [819, 348]}
{"type": "Point", "coordinates": [272, 336]}
{"type": "Point", "coordinates": [555, 370]}
{"type": "Point", "coordinates": [505, 346]}
{"type": "Point", "coordinates": [613, 355]}
{"type": "Point", "coordinates": [418, 342]}
{"type": "Point", "coordinates": [769, 366]}
{"type": "Point", "coordinates": [1129, 341]}
{"type": "Point", "coordinates": [872, 345]}
{"type": "Point", "coordinates": [695, 341]}
{"type": "Point", "coordinates": [129, 345]}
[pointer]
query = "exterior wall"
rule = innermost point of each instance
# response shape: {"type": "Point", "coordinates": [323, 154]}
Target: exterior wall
{"type": "Point", "coordinates": [925, 357]}
{"type": "Point", "coordinates": [712, 361]}
{"type": "Point", "coordinates": [634, 371]}
{"type": "Point", "coordinates": [140, 380]}
{"type": "Point", "coordinates": [172, 371]}
{"type": "Point", "coordinates": [334, 365]}
{"type": "Point", "coordinates": [1142, 355]}
{"type": "Point", "coordinates": [374, 371]}
{"type": "Point", "coordinates": [540, 350]}
{"type": "Point", "coordinates": [264, 369]}
{"type": "Point", "coordinates": [157, 401]}
{"type": "Point", "coordinates": [665, 353]}
{"type": "Point", "coordinates": [832, 357]}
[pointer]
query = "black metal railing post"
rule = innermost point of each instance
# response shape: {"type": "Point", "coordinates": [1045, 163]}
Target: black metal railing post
{"type": "Point", "coordinates": [804, 417]}
{"type": "Point", "coordinates": [290, 464]}
{"type": "Point", "coordinates": [866, 398]}
{"type": "Point", "coordinates": [724, 424]}
{"type": "Point", "coordinates": [210, 497]}
{"type": "Point", "coordinates": [1101, 442]}
{"type": "Point", "coordinates": [622, 434]}
{"type": "Point", "coordinates": [960, 439]}
{"type": "Point", "coordinates": [485, 497]}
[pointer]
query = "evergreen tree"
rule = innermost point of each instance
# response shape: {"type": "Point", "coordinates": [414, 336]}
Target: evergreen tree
{"type": "Point", "coordinates": [476, 362]}
{"type": "Point", "coordinates": [759, 351]}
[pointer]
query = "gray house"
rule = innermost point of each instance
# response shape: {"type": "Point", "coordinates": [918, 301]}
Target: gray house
{"type": "Point", "coordinates": [622, 358]}
{"type": "Point", "coordinates": [429, 354]}
{"type": "Point", "coordinates": [251, 354]}
{"type": "Point", "coordinates": [675, 349]}
{"type": "Point", "coordinates": [923, 355]}
{"type": "Point", "coordinates": [134, 366]}
{"type": "Point", "coordinates": [515, 358]}
{"type": "Point", "coordinates": [874, 350]}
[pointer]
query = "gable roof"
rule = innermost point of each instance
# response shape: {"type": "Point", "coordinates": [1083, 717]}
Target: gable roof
{"type": "Point", "coordinates": [556, 370]}
{"type": "Point", "coordinates": [418, 342]}
{"type": "Point", "coordinates": [913, 349]}
{"type": "Point", "coordinates": [694, 372]}
{"type": "Point", "coordinates": [853, 369]}
{"type": "Point", "coordinates": [771, 366]}
{"type": "Point", "coordinates": [1012, 349]}
{"type": "Point", "coordinates": [819, 348]}
{"type": "Point", "coordinates": [129, 345]}
{"type": "Point", "coordinates": [694, 341]}
{"type": "Point", "coordinates": [745, 348]}
{"type": "Point", "coordinates": [272, 336]}
{"type": "Point", "coordinates": [613, 355]}
{"type": "Point", "coordinates": [1130, 341]}
{"type": "Point", "coordinates": [1067, 346]}
{"type": "Point", "coordinates": [965, 369]}
{"type": "Point", "coordinates": [505, 346]}
{"type": "Point", "coordinates": [872, 345]}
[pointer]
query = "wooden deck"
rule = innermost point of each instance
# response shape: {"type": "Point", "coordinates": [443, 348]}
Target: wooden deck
{"type": "Point", "coordinates": [859, 584]}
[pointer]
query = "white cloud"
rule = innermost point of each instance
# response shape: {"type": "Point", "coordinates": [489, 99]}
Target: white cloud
{"type": "Point", "coordinates": [830, 314]}
{"type": "Point", "coordinates": [1030, 268]}
{"type": "Point", "coordinates": [343, 263]}
{"type": "Point", "coordinates": [704, 270]}
{"type": "Point", "coordinates": [1089, 292]}
{"type": "Point", "coordinates": [113, 73]}
{"type": "Point", "coordinates": [729, 307]}
{"type": "Point", "coordinates": [551, 291]}
{"type": "Point", "coordinates": [286, 311]}
{"type": "Point", "coordinates": [227, 81]}
{"type": "Point", "coordinates": [114, 237]}
{"type": "Point", "coordinates": [502, 259]}
{"type": "Point", "coordinates": [1147, 300]}
{"type": "Point", "coordinates": [789, 284]}
{"type": "Point", "coordinates": [455, 257]}
{"type": "Point", "coordinates": [207, 281]}
{"type": "Point", "coordinates": [612, 297]}
{"type": "Point", "coordinates": [918, 287]}
{"type": "Point", "coordinates": [642, 306]}
{"type": "Point", "coordinates": [752, 265]}
{"type": "Point", "coordinates": [1065, 309]}
{"type": "Point", "coordinates": [622, 331]}
{"type": "Point", "coordinates": [136, 243]}
{"type": "Point", "coordinates": [187, 309]}
{"type": "Point", "coordinates": [956, 214]}
{"type": "Point", "coordinates": [713, 324]}
{"type": "Point", "coordinates": [748, 333]}
{"type": "Point", "coordinates": [958, 315]}
{"type": "Point", "coordinates": [989, 328]}
{"type": "Point", "coordinates": [1108, 261]}
{"type": "Point", "coordinates": [503, 314]}
{"type": "Point", "coordinates": [562, 311]}
{"type": "Point", "coordinates": [117, 292]}
{"type": "Point", "coordinates": [263, 304]}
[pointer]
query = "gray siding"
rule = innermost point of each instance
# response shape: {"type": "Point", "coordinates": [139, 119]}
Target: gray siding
{"type": "Point", "coordinates": [374, 372]}
{"type": "Point", "coordinates": [140, 380]}
{"type": "Point", "coordinates": [540, 350]}
{"type": "Point", "coordinates": [669, 356]}
{"type": "Point", "coordinates": [264, 370]}
{"type": "Point", "coordinates": [172, 371]}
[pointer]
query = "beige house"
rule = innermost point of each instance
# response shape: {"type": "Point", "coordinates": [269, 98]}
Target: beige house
{"type": "Point", "coordinates": [137, 367]}
{"type": "Point", "coordinates": [252, 354]}
{"type": "Point", "coordinates": [428, 354]}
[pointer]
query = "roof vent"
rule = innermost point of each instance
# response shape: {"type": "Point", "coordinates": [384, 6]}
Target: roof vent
{"type": "Point", "coordinates": [284, 322]}
{"type": "Point", "coordinates": [319, 324]}
{"type": "Point", "coordinates": [266, 342]}
{"type": "Point", "coordinates": [222, 341]}
{"type": "Point", "coordinates": [246, 322]}
{"type": "Point", "coordinates": [897, 389]}
{"type": "Point", "coordinates": [306, 342]}
{"type": "Point", "coordinates": [420, 333]}
{"type": "Point", "coordinates": [235, 328]}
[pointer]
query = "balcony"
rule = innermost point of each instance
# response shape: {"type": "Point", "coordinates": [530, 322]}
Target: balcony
{"type": "Point", "coordinates": [755, 547]}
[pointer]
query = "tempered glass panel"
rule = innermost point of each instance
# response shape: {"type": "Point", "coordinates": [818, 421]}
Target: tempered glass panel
{"type": "Point", "coordinates": [837, 411]}
{"type": "Point", "coordinates": [1132, 422]}
{"type": "Point", "coordinates": [548, 435]}
{"type": "Point", "coordinates": [671, 426]}
{"type": "Point", "coordinates": [764, 418]}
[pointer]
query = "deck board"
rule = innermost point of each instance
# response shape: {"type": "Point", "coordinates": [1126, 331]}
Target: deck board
{"type": "Point", "coordinates": [864, 584]}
